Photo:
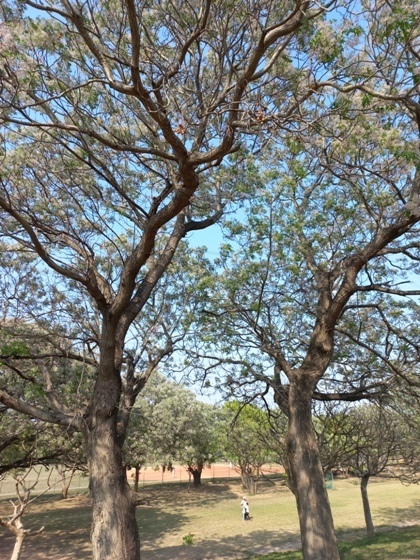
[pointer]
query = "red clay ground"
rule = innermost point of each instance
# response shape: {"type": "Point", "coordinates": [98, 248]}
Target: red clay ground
{"type": "Point", "coordinates": [179, 474]}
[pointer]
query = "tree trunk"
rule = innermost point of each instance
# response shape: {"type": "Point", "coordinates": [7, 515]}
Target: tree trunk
{"type": "Point", "coordinates": [136, 478]}
{"type": "Point", "coordinates": [370, 528]}
{"type": "Point", "coordinates": [196, 476]}
{"type": "Point", "coordinates": [114, 532]}
{"type": "Point", "coordinates": [17, 549]}
{"type": "Point", "coordinates": [65, 491]}
{"type": "Point", "coordinates": [65, 482]}
{"type": "Point", "coordinates": [307, 478]}
{"type": "Point", "coordinates": [248, 480]}
{"type": "Point", "coordinates": [244, 478]}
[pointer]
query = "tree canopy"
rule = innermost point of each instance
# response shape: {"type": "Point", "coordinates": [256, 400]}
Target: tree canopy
{"type": "Point", "coordinates": [169, 425]}
{"type": "Point", "coordinates": [127, 126]}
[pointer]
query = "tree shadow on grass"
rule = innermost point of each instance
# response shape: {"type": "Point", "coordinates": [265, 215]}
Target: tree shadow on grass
{"type": "Point", "coordinates": [401, 545]}
{"type": "Point", "coordinates": [156, 525]}
{"type": "Point", "coordinates": [156, 522]}
{"type": "Point", "coordinates": [67, 522]}
{"type": "Point", "coordinates": [205, 495]}
{"type": "Point", "coordinates": [161, 510]}
{"type": "Point", "coordinates": [66, 533]}
{"type": "Point", "coordinates": [399, 516]}
{"type": "Point", "coordinates": [236, 547]}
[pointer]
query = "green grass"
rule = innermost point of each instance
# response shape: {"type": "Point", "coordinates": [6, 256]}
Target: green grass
{"type": "Point", "coordinates": [403, 544]}
{"type": "Point", "coordinates": [212, 513]}
{"type": "Point", "coordinates": [49, 481]}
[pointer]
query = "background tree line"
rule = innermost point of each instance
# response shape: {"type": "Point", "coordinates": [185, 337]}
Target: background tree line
{"type": "Point", "coordinates": [171, 426]}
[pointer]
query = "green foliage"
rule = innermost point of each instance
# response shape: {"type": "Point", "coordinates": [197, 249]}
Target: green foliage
{"type": "Point", "coordinates": [25, 442]}
{"type": "Point", "coordinates": [169, 425]}
{"type": "Point", "coordinates": [14, 349]}
{"type": "Point", "coordinates": [317, 205]}
{"type": "Point", "coordinates": [188, 540]}
{"type": "Point", "coordinates": [377, 438]}
{"type": "Point", "coordinates": [249, 440]}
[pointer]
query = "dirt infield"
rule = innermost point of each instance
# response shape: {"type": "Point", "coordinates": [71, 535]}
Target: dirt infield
{"type": "Point", "coordinates": [150, 475]}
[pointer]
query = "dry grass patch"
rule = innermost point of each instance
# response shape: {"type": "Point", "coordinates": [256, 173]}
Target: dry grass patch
{"type": "Point", "coordinates": [402, 544]}
{"type": "Point", "coordinates": [212, 514]}
{"type": "Point", "coordinates": [67, 529]}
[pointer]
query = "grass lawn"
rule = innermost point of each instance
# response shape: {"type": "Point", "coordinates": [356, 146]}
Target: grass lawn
{"type": "Point", "coordinates": [169, 514]}
{"type": "Point", "coordinates": [212, 515]}
{"type": "Point", "coordinates": [403, 544]}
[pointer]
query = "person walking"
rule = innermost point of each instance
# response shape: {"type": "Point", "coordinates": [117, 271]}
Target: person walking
{"type": "Point", "coordinates": [245, 509]}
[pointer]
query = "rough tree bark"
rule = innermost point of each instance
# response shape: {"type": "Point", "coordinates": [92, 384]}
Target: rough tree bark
{"type": "Point", "coordinates": [114, 531]}
{"type": "Point", "coordinates": [307, 477]}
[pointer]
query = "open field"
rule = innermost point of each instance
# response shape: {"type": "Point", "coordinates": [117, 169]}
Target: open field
{"type": "Point", "coordinates": [168, 513]}
{"type": "Point", "coordinates": [403, 544]}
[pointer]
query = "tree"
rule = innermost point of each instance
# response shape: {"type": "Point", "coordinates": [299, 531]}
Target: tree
{"type": "Point", "coordinates": [317, 257]}
{"type": "Point", "coordinates": [377, 446]}
{"type": "Point", "coordinates": [247, 441]}
{"type": "Point", "coordinates": [114, 118]}
{"type": "Point", "coordinates": [23, 443]}
{"type": "Point", "coordinates": [153, 343]}
{"type": "Point", "coordinates": [14, 522]}
{"type": "Point", "coordinates": [27, 442]}
{"type": "Point", "coordinates": [409, 471]}
{"type": "Point", "coordinates": [180, 428]}
{"type": "Point", "coordinates": [334, 431]}
{"type": "Point", "coordinates": [135, 445]}
{"type": "Point", "coordinates": [298, 324]}
{"type": "Point", "coordinates": [200, 446]}
{"type": "Point", "coordinates": [366, 440]}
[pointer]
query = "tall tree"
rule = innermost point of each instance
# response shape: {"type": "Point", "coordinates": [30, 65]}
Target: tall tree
{"type": "Point", "coordinates": [316, 256]}
{"type": "Point", "coordinates": [248, 441]}
{"type": "Point", "coordinates": [377, 443]}
{"type": "Point", "coordinates": [114, 117]}
{"type": "Point", "coordinates": [180, 428]}
{"type": "Point", "coordinates": [200, 447]}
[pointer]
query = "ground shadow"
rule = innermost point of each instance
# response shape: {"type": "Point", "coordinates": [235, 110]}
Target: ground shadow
{"type": "Point", "coordinates": [403, 544]}
{"type": "Point", "coordinates": [236, 547]}
{"type": "Point", "coordinates": [155, 522]}
{"type": "Point", "coordinates": [156, 517]}
{"type": "Point", "coordinates": [66, 532]}
{"type": "Point", "coordinates": [205, 494]}
{"type": "Point", "coordinates": [394, 515]}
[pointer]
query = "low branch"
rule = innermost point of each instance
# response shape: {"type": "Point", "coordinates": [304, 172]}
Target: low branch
{"type": "Point", "coordinates": [54, 417]}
